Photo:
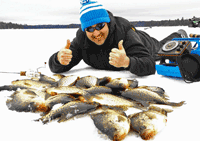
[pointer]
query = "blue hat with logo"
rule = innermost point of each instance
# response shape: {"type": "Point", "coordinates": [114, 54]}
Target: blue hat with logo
{"type": "Point", "coordinates": [91, 13]}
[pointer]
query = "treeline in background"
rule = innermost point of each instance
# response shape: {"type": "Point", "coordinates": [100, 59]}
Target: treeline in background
{"type": "Point", "coordinates": [177, 22]}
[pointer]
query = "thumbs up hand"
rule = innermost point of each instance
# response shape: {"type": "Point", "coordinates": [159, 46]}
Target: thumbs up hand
{"type": "Point", "coordinates": [118, 56]}
{"type": "Point", "coordinates": [65, 54]}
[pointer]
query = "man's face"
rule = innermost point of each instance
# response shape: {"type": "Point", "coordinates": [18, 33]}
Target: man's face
{"type": "Point", "coordinates": [98, 36]}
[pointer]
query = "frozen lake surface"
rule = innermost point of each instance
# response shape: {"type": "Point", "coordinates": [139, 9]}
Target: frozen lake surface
{"type": "Point", "coordinates": [29, 49]}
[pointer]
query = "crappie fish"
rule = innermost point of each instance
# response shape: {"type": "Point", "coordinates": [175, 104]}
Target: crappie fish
{"type": "Point", "coordinates": [103, 81]}
{"type": "Point", "coordinates": [148, 123]}
{"type": "Point", "coordinates": [98, 89]}
{"type": "Point", "coordinates": [145, 96]}
{"type": "Point", "coordinates": [111, 123]}
{"type": "Point", "coordinates": [114, 101]}
{"type": "Point", "coordinates": [68, 80]}
{"type": "Point", "coordinates": [26, 101]}
{"type": "Point", "coordinates": [65, 89]}
{"type": "Point", "coordinates": [68, 111]}
{"type": "Point", "coordinates": [118, 83]}
{"type": "Point", "coordinates": [28, 83]}
{"type": "Point", "coordinates": [86, 82]}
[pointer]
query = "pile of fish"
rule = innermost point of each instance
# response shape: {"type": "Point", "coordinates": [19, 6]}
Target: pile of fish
{"type": "Point", "coordinates": [105, 100]}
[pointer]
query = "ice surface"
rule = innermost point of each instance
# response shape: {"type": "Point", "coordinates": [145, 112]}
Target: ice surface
{"type": "Point", "coordinates": [29, 49]}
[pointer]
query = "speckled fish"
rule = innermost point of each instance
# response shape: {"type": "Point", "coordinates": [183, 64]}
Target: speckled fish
{"type": "Point", "coordinates": [114, 101]}
{"type": "Point", "coordinates": [145, 96]}
{"type": "Point", "coordinates": [32, 84]}
{"type": "Point", "coordinates": [103, 81]}
{"type": "Point", "coordinates": [68, 80]}
{"type": "Point", "coordinates": [26, 101]}
{"type": "Point", "coordinates": [86, 82]}
{"type": "Point", "coordinates": [148, 123]}
{"type": "Point", "coordinates": [68, 111]}
{"type": "Point", "coordinates": [65, 89]}
{"type": "Point", "coordinates": [118, 83]}
{"type": "Point", "coordinates": [111, 123]}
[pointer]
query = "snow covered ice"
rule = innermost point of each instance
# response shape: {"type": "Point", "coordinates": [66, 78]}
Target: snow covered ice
{"type": "Point", "coordinates": [29, 49]}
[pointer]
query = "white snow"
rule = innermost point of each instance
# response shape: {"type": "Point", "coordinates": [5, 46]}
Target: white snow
{"type": "Point", "coordinates": [29, 49]}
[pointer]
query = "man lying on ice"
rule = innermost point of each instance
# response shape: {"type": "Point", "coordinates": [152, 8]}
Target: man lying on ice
{"type": "Point", "coordinates": [108, 42]}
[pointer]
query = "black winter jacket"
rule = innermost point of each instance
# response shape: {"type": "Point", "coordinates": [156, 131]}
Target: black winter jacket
{"type": "Point", "coordinates": [137, 44]}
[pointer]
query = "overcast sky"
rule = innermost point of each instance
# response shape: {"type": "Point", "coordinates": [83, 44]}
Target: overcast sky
{"type": "Point", "coordinates": [34, 12]}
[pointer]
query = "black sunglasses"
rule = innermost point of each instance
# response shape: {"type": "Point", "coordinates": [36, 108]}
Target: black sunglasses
{"type": "Point", "coordinates": [97, 27]}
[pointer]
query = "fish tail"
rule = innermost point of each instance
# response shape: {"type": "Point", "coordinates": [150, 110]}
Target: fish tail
{"type": "Point", "coordinates": [176, 104]}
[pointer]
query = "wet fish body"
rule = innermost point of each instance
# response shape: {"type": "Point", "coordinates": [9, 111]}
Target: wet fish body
{"type": "Point", "coordinates": [111, 123]}
{"type": "Point", "coordinates": [145, 96]}
{"type": "Point", "coordinates": [148, 123]}
{"type": "Point", "coordinates": [98, 89]}
{"type": "Point", "coordinates": [68, 80]}
{"type": "Point", "coordinates": [65, 89]}
{"type": "Point", "coordinates": [114, 101]}
{"type": "Point", "coordinates": [68, 111]}
{"type": "Point", "coordinates": [28, 83]}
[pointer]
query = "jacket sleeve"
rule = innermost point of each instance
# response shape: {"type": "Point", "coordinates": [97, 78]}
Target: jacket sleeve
{"type": "Point", "coordinates": [141, 62]}
{"type": "Point", "coordinates": [55, 65]}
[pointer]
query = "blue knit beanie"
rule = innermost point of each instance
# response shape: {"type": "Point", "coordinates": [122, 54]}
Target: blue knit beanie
{"type": "Point", "coordinates": [91, 13]}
